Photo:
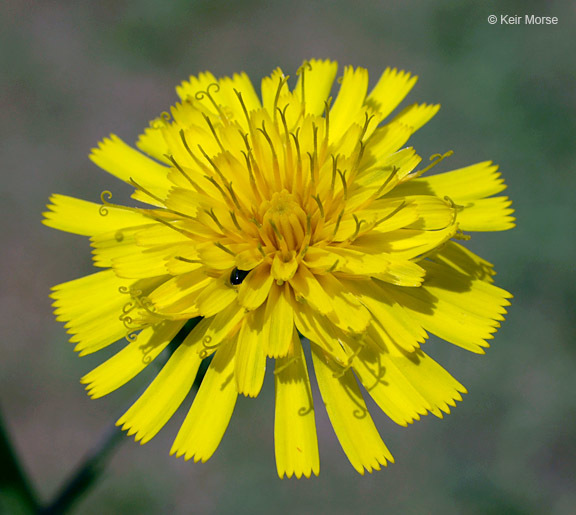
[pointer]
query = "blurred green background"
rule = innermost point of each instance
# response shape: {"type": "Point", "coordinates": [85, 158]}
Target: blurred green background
{"type": "Point", "coordinates": [72, 72]}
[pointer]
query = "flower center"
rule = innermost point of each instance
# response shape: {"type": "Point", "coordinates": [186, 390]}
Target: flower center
{"type": "Point", "coordinates": [284, 221]}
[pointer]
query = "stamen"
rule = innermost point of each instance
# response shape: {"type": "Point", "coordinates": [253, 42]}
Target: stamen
{"type": "Point", "coordinates": [360, 153]}
{"type": "Point", "coordinates": [209, 159]}
{"type": "Point", "coordinates": [307, 236]}
{"type": "Point", "coordinates": [327, 104]}
{"type": "Point", "coordinates": [212, 215]}
{"type": "Point", "coordinates": [298, 183]}
{"type": "Point", "coordinates": [209, 122]}
{"type": "Point", "coordinates": [287, 147]}
{"type": "Point", "coordinates": [256, 222]}
{"type": "Point", "coordinates": [178, 229]}
{"type": "Point", "coordinates": [461, 236]}
{"type": "Point", "coordinates": [201, 94]}
{"type": "Point", "coordinates": [215, 183]}
{"type": "Point", "coordinates": [358, 224]}
{"type": "Point", "coordinates": [367, 120]}
{"type": "Point", "coordinates": [128, 307]}
{"type": "Point", "coordinates": [233, 195]}
{"type": "Point", "coordinates": [235, 220]}
{"type": "Point", "coordinates": [192, 154]}
{"type": "Point", "coordinates": [333, 267]}
{"type": "Point", "coordinates": [393, 174]}
{"type": "Point", "coordinates": [390, 215]}
{"type": "Point", "coordinates": [241, 100]}
{"type": "Point", "coordinates": [320, 206]}
{"type": "Point", "coordinates": [275, 229]}
{"type": "Point", "coordinates": [302, 72]}
{"type": "Point", "coordinates": [277, 97]}
{"type": "Point", "coordinates": [127, 321]}
{"type": "Point", "coordinates": [274, 156]}
{"type": "Point", "coordinates": [338, 220]}
{"type": "Point", "coordinates": [344, 185]}
{"type": "Point", "coordinates": [187, 260]}
{"type": "Point", "coordinates": [147, 305]}
{"type": "Point", "coordinates": [435, 158]}
{"type": "Point", "coordinates": [222, 247]}
{"type": "Point", "coordinates": [455, 207]}
{"type": "Point", "coordinates": [144, 190]}
{"type": "Point", "coordinates": [249, 167]}
{"type": "Point", "coordinates": [361, 345]}
{"type": "Point", "coordinates": [105, 196]}
{"type": "Point", "coordinates": [292, 360]}
{"type": "Point", "coordinates": [334, 170]}
{"type": "Point", "coordinates": [132, 336]}
{"type": "Point", "coordinates": [311, 158]}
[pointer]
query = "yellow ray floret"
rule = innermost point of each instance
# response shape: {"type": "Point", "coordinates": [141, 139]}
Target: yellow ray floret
{"type": "Point", "coordinates": [294, 426]}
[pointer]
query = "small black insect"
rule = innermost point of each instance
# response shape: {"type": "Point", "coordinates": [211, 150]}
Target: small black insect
{"type": "Point", "coordinates": [237, 276]}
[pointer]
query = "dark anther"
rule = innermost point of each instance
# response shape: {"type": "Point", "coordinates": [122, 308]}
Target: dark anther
{"type": "Point", "coordinates": [237, 276]}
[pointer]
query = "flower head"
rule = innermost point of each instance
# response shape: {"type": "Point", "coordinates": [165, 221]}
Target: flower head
{"type": "Point", "coordinates": [286, 222]}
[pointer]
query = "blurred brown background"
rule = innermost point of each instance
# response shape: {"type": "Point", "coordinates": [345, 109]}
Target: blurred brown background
{"type": "Point", "coordinates": [72, 72]}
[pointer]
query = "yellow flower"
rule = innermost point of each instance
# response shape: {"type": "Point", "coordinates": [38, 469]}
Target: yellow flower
{"type": "Point", "coordinates": [290, 224]}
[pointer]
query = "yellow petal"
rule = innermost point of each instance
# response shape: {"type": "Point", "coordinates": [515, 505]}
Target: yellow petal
{"type": "Point", "coordinates": [211, 410]}
{"type": "Point", "coordinates": [456, 307]}
{"type": "Point", "coordinates": [307, 287]}
{"type": "Point", "coordinates": [349, 100]}
{"type": "Point", "coordinates": [417, 115]}
{"type": "Point", "coordinates": [190, 87]}
{"type": "Point", "coordinates": [433, 383]}
{"type": "Point", "coordinates": [403, 244]}
{"type": "Point", "coordinates": [152, 142]}
{"type": "Point", "coordinates": [91, 307]}
{"type": "Point", "coordinates": [250, 355]}
{"type": "Point", "coordinates": [278, 322]}
{"type": "Point", "coordinates": [164, 395]}
{"type": "Point", "coordinates": [386, 142]}
{"type": "Point", "coordinates": [295, 441]}
{"type": "Point", "coordinates": [390, 90]}
{"type": "Point", "coordinates": [272, 88]}
{"type": "Point", "coordinates": [489, 214]}
{"type": "Point", "coordinates": [126, 163]}
{"type": "Point", "coordinates": [86, 218]}
{"type": "Point", "coordinates": [321, 331]}
{"type": "Point", "coordinates": [218, 295]}
{"type": "Point", "coordinates": [131, 360]}
{"type": "Point", "coordinates": [389, 316]}
{"type": "Point", "coordinates": [179, 294]}
{"type": "Point", "coordinates": [393, 393]}
{"type": "Point", "coordinates": [283, 270]}
{"type": "Point", "coordinates": [349, 416]}
{"type": "Point", "coordinates": [433, 212]}
{"type": "Point", "coordinates": [349, 314]}
{"type": "Point", "coordinates": [255, 288]}
{"type": "Point", "coordinates": [211, 332]}
{"type": "Point", "coordinates": [465, 261]}
{"type": "Point", "coordinates": [316, 77]}
{"type": "Point", "coordinates": [472, 182]}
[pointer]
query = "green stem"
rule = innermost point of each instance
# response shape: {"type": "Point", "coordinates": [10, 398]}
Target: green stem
{"type": "Point", "coordinates": [17, 494]}
{"type": "Point", "coordinates": [91, 468]}
{"type": "Point", "coordinates": [86, 474]}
